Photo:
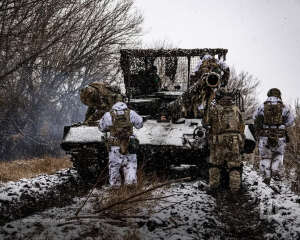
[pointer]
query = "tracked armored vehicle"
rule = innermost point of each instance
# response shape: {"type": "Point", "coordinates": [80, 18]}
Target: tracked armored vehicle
{"type": "Point", "coordinates": [154, 81]}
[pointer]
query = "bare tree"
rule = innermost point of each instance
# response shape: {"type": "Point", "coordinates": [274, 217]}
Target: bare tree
{"type": "Point", "coordinates": [293, 147]}
{"type": "Point", "coordinates": [50, 49]}
{"type": "Point", "coordinates": [248, 86]}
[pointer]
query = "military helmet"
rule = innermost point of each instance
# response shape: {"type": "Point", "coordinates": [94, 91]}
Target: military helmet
{"type": "Point", "coordinates": [274, 92]}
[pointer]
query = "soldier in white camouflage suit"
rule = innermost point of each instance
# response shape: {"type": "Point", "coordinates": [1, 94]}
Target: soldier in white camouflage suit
{"type": "Point", "coordinates": [271, 120]}
{"type": "Point", "coordinates": [119, 122]}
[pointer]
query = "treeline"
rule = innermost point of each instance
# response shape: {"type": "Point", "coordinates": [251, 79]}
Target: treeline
{"type": "Point", "coordinates": [48, 50]}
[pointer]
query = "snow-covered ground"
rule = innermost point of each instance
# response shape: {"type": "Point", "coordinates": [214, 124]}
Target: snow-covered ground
{"type": "Point", "coordinates": [187, 215]}
{"type": "Point", "coordinates": [277, 204]}
{"type": "Point", "coordinates": [191, 213]}
{"type": "Point", "coordinates": [29, 195]}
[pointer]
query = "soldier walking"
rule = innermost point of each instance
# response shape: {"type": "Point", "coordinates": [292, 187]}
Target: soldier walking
{"type": "Point", "coordinates": [226, 131]}
{"type": "Point", "coordinates": [122, 155]}
{"type": "Point", "coordinates": [271, 121]}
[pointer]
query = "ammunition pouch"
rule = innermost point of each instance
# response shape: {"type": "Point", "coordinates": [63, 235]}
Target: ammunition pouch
{"type": "Point", "coordinates": [111, 141]}
{"type": "Point", "coordinates": [133, 145]}
{"type": "Point", "coordinates": [273, 135]}
{"type": "Point", "coordinates": [127, 146]}
{"type": "Point", "coordinates": [271, 132]}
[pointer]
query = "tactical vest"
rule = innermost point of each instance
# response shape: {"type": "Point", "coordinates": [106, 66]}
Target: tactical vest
{"type": "Point", "coordinates": [121, 127]}
{"type": "Point", "coordinates": [273, 113]}
{"type": "Point", "coordinates": [226, 119]}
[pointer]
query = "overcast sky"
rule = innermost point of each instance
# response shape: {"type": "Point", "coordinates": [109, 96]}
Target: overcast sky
{"type": "Point", "coordinates": [262, 36]}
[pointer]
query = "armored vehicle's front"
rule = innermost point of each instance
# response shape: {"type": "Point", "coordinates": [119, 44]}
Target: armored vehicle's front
{"type": "Point", "coordinates": [157, 82]}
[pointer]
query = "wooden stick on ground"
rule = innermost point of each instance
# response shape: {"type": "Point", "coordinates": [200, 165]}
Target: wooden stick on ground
{"type": "Point", "coordinates": [143, 192]}
{"type": "Point", "coordinates": [90, 193]}
{"type": "Point", "coordinates": [104, 216]}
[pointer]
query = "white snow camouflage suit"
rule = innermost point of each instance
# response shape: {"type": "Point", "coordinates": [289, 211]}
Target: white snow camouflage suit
{"type": "Point", "coordinates": [117, 161]}
{"type": "Point", "coordinates": [271, 161]}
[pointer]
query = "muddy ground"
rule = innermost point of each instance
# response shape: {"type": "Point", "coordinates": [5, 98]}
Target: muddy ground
{"type": "Point", "coordinates": [191, 212]}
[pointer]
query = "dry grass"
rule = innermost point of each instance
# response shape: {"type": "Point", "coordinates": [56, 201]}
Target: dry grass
{"type": "Point", "coordinates": [131, 206]}
{"type": "Point", "coordinates": [15, 170]}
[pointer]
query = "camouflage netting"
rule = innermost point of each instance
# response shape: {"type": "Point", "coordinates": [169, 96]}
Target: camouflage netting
{"type": "Point", "coordinates": [171, 67]}
{"type": "Point", "coordinates": [141, 63]}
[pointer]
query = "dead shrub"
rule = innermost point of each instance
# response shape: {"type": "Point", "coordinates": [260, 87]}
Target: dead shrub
{"type": "Point", "coordinates": [15, 170]}
{"type": "Point", "coordinates": [122, 193]}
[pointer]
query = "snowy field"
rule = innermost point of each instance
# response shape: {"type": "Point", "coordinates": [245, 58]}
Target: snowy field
{"type": "Point", "coordinates": [259, 212]}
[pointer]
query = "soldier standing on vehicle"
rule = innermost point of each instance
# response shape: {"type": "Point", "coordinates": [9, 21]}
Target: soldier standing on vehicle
{"type": "Point", "coordinates": [271, 121]}
{"type": "Point", "coordinates": [211, 74]}
{"type": "Point", "coordinates": [209, 64]}
{"type": "Point", "coordinates": [99, 97]}
{"type": "Point", "coordinates": [122, 143]}
{"type": "Point", "coordinates": [226, 139]}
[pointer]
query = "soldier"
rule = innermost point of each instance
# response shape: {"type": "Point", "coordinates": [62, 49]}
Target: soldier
{"type": "Point", "coordinates": [271, 121]}
{"type": "Point", "coordinates": [226, 138]}
{"type": "Point", "coordinates": [209, 64]}
{"type": "Point", "coordinates": [122, 155]}
{"type": "Point", "coordinates": [212, 74]}
{"type": "Point", "coordinates": [99, 97]}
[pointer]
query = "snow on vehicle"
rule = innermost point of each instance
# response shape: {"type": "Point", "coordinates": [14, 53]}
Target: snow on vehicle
{"type": "Point", "coordinates": [153, 79]}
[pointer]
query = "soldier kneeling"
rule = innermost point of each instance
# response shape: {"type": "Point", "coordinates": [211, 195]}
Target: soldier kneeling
{"type": "Point", "coordinates": [119, 122]}
{"type": "Point", "coordinates": [226, 140]}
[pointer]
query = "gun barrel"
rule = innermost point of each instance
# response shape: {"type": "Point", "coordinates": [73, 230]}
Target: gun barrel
{"type": "Point", "coordinates": [212, 79]}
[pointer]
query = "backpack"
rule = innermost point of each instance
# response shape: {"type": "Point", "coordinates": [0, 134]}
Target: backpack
{"type": "Point", "coordinates": [273, 113]}
{"type": "Point", "coordinates": [121, 127]}
{"type": "Point", "coordinates": [98, 94]}
{"type": "Point", "coordinates": [227, 120]}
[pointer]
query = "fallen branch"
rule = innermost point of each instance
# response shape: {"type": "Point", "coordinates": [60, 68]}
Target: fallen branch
{"type": "Point", "coordinates": [151, 199]}
{"type": "Point", "coordinates": [105, 216]}
{"type": "Point", "coordinates": [143, 192]}
{"type": "Point", "coordinates": [90, 193]}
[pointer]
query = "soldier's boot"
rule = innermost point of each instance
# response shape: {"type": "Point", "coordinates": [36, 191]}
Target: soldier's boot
{"type": "Point", "coordinates": [214, 178]}
{"type": "Point", "coordinates": [234, 180]}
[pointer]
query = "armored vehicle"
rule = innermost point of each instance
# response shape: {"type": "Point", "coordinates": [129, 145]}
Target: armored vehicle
{"type": "Point", "coordinates": [155, 81]}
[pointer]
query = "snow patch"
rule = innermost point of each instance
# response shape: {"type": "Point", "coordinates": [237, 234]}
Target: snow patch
{"type": "Point", "coordinates": [278, 205]}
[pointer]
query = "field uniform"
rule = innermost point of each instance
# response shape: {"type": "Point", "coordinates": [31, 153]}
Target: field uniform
{"type": "Point", "coordinates": [271, 120]}
{"type": "Point", "coordinates": [226, 141]}
{"type": "Point", "coordinates": [120, 122]}
{"type": "Point", "coordinates": [99, 97]}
